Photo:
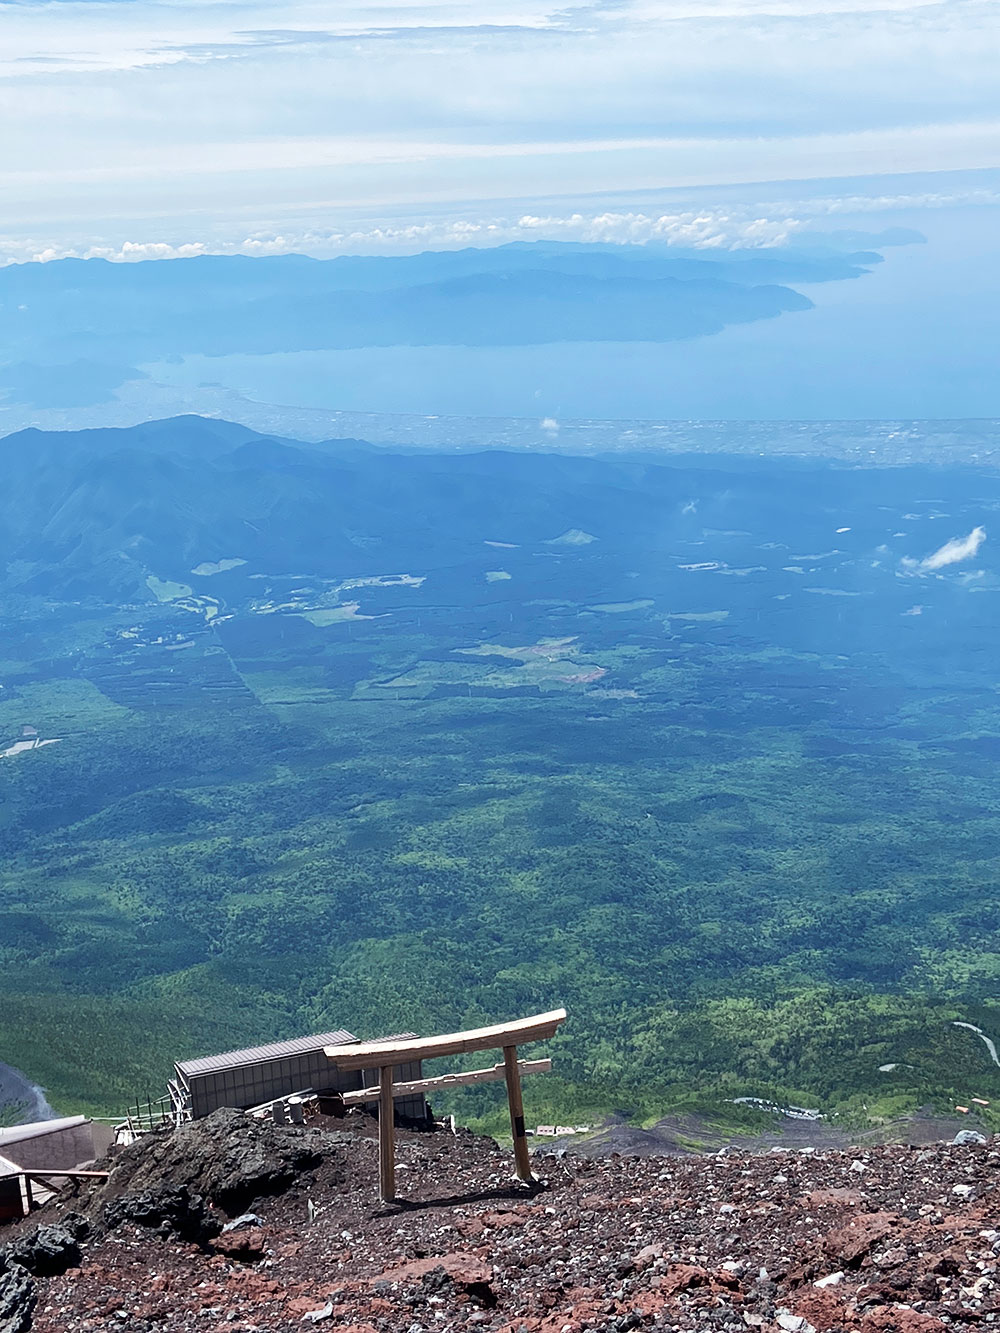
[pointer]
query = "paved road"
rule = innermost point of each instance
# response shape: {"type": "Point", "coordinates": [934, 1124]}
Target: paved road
{"type": "Point", "coordinates": [19, 1094]}
{"type": "Point", "coordinates": [990, 1044]}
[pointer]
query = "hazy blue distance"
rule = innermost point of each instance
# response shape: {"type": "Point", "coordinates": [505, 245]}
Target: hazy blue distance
{"type": "Point", "coordinates": [158, 128]}
{"type": "Point", "coordinates": [915, 336]}
{"type": "Point", "coordinates": [256, 122]}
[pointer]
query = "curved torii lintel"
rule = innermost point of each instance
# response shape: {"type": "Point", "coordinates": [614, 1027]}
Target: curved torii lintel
{"type": "Point", "coordinates": [378, 1054]}
{"type": "Point", "coordinates": [386, 1055]}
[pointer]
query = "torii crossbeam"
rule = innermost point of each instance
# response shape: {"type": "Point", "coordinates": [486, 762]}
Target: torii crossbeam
{"type": "Point", "coordinates": [386, 1055]}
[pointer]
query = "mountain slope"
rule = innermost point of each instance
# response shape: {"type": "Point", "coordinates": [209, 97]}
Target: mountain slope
{"type": "Point", "coordinates": [881, 1240]}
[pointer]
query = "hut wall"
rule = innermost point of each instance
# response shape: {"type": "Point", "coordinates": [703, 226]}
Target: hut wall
{"type": "Point", "coordinates": [250, 1085]}
{"type": "Point", "coordinates": [408, 1108]}
{"type": "Point", "coordinates": [61, 1149]}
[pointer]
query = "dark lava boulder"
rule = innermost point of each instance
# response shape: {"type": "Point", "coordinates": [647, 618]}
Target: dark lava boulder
{"type": "Point", "coordinates": [17, 1298]}
{"type": "Point", "coordinates": [171, 1211]}
{"type": "Point", "coordinates": [49, 1250]}
{"type": "Point", "coordinates": [229, 1158]}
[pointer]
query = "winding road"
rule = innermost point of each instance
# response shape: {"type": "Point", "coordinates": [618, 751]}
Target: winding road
{"type": "Point", "coordinates": [990, 1044]}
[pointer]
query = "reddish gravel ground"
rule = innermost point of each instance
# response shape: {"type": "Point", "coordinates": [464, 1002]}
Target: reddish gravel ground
{"type": "Point", "coordinates": [889, 1239]}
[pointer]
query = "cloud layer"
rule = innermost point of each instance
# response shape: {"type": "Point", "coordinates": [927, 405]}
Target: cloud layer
{"type": "Point", "coordinates": [139, 119]}
{"type": "Point", "coordinates": [740, 225]}
{"type": "Point", "coordinates": [705, 229]}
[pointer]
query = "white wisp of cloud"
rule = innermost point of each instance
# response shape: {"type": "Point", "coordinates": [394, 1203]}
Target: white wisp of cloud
{"type": "Point", "coordinates": [954, 551]}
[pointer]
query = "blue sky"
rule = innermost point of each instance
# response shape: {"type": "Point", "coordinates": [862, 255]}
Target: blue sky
{"type": "Point", "coordinates": [170, 127]}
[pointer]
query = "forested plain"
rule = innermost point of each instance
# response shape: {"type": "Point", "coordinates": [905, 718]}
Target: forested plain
{"type": "Point", "coordinates": [704, 775]}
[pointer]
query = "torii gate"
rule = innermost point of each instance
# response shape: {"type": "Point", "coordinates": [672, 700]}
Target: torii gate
{"type": "Point", "coordinates": [385, 1055]}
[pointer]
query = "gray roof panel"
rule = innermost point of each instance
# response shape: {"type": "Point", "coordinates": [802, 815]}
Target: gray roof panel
{"type": "Point", "coordinates": [36, 1129]}
{"type": "Point", "coordinates": [258, 1055]}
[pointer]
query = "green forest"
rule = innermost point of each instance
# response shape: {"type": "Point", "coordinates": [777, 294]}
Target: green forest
{"type": "Point", "coordinates": [718, 916]}
{"type": "Point", "coordinates": [719, 791]}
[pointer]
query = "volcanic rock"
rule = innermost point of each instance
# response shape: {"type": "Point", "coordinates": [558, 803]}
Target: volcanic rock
{"type": "Point", "coordinates": [230, 1158]}
{"type": "Point", "coordinates": [245, 1244]}
{"type": "Point", "coordinates": [17, 1298]}
{"type": "Point", "coordinates": [167, 1211]}
{"type": "Point", "coordinates": [49, 1250]}
{"type": "Point", "coordinates": [695, 1244]}
{"type": "Point", "coordinates": [850, 1244]}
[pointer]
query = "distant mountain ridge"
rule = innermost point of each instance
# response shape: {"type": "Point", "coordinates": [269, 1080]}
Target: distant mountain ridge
{"type": "Point", "coordinates": [93, 513]}
{"type": "Point", "coordinates": [79, 333]}
{"type": "Point", "coordinates": [219, 305]}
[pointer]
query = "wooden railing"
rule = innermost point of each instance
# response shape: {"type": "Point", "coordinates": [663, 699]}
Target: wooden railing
{"type": "Point", "coordinates": [29, 1179]}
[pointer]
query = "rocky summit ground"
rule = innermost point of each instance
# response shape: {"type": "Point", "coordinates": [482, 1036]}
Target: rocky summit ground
{"type": "Point", "coordinates": [887, 1239]}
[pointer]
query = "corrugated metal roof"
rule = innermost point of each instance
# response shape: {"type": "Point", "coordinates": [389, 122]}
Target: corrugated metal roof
{"type": "Point", "coordinates": [36, 1128]}
{"type": "Point", "coordinates": [256, 1055]}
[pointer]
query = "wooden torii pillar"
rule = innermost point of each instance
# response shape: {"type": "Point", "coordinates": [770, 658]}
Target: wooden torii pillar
{"type": "Point", "coordinates": [386, 1055]}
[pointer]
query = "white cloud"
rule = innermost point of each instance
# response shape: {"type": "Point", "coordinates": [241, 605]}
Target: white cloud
{"type": "Point", "coordinates": [704, 229]}
{"type": "Point", "coordinates": [409, 102]}
{"type": "Point", "coordinates": [953, 552]}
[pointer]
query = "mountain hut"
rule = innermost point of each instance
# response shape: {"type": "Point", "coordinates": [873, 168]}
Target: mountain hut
{"type": "Point", "coordinates": [261, 1074]}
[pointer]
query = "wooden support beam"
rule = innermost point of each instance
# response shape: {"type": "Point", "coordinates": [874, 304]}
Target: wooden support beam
{"type": "Point", "coordinates": [421, 1085]}
{"type": "Point", "coordinates": [522, 1161]}
{"type": "Point", "coordinates": [375, 1054]}
{"type": "Point", "coordinates": [43, 1180]}
{"type": "Point", "coordinates": [386, 1136]}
